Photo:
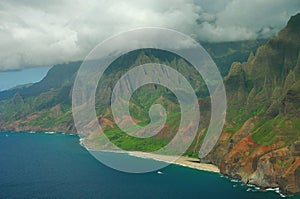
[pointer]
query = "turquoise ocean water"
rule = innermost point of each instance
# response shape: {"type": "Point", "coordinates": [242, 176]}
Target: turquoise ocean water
{"type": "Point", "coordinates": [57, 166]}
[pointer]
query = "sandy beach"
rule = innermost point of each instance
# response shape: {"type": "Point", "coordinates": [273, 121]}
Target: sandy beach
{"type": "Point", "coordinates": [183, 161]}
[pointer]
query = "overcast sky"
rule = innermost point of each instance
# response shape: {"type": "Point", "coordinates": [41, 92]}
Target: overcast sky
{"type": "Point", "coordinates": [46, 32]}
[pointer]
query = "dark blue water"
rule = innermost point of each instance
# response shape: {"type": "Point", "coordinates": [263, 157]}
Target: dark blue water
{"type": "Point", "coordinates": [56, 166]}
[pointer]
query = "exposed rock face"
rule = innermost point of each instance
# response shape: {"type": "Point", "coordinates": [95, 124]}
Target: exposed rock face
{"type": "Point", "coordinates": [291, 101]}
{"type": "Point", "coordinates": [289, 182]}
{"type": "Point", "coordinates": [264, 100]}
{"type": "Point", "coordinates": [261, 141]}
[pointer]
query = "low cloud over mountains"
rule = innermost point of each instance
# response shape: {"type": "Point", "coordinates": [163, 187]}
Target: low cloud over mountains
{"type": "Point", "coordinates": [35, 33]}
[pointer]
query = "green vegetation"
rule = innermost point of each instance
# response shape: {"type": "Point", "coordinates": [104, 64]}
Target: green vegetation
{"type": "Point", "coordinates": [263, 95]}
{"type": "Point", "coordinates": [249, 87]}
{"type": "Point", "coordinates": [277, 129]}
{"type": "Point", "coordinates": [127, 142]}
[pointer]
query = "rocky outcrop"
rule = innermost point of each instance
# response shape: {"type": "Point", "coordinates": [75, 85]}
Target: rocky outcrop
{"type": "Point", "coordinates": [260, 143]}
{"type": "Point", "coordinates": [289, 182]}
{"type": "Point", "coordinates": [264, 103]}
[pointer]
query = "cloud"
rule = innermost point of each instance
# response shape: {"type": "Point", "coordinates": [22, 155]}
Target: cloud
{"type": "Point", "coordinates": [37, 33]}
{"type": "Point", "coordinates": [244, 19]}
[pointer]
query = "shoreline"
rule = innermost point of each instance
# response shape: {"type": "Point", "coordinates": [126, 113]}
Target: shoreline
{"type": "Point", "coordinates": [181, 161]}
{"type": "Point", "coordinates": [40, 132]}
{"type": "Point", "coordinates": [184, 161]}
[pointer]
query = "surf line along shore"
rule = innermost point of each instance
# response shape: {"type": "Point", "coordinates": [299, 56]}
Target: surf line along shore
{"type": "Point", "coordinates": [182, 161]}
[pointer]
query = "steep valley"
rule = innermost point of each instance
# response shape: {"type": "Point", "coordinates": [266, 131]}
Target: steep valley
{"type": "Point", "coordinates": [260, 143]}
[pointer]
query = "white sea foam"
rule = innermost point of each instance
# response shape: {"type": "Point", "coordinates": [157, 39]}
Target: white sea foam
{"type": "Point", "coordinates": [160, 173]}
{"type": "Point", "coordinates": [50, 132]}
{"type": "Point", "coordinates": [272, 189]}
{"type": "Point", "coordinates": [81, 142]}
{"type": "Point", "coordinates": [276, 190]}
{"type": "Point", "coordinates": [282, 195]}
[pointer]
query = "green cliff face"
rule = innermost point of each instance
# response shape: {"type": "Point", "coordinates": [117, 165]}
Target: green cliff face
{"type": "Point", "coordinates": [260, 141]}
{"type": "Point", "coordinates": [263, 123]}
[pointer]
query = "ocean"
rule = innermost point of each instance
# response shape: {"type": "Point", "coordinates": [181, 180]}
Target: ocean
{"type": "Point", "coordinates": [43, 165]}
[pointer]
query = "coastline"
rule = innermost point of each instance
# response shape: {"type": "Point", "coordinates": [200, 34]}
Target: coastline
{"type": "Point", "coordinates": [182, 161]}
{"type": "Point", "coordinates": [41, 132]}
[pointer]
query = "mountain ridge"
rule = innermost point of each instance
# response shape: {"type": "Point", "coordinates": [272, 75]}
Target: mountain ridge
{"type": "Point", "coordinates": [263, 146]}
{"type": "Point", "coordinates": [260, 143]}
